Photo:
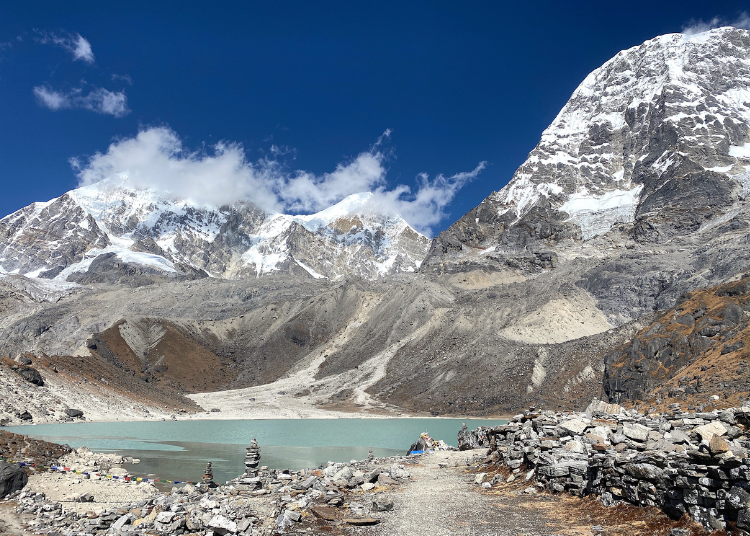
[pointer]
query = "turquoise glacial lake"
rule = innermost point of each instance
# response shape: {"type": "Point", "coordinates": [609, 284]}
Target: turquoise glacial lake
{"type": "Point", "coordinates": [179, 450]}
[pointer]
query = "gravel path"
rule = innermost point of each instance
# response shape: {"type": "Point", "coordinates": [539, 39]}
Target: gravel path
{"type": "Point", "coordinates": [445, 502]}
{"type": "Point", "coordinates": [442, 500]}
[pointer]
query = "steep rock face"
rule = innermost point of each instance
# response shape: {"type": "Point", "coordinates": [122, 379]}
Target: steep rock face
{"type": "Point", "coordinates": [109, 233]}
{"type": "Point", "coordinates": [659, 129]}
{"type": "Point", "coordinates": [700, 346]}
{"type": "Point", "coordinates": [43, 238]}
{"type": "Point", "coordinates": [647, 163]}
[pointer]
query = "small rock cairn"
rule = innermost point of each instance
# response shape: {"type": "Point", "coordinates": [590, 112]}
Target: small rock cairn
{"type": "Point", "coordinates": [207, 480]}
{"type": "Point", "coordinates": [252, 460]}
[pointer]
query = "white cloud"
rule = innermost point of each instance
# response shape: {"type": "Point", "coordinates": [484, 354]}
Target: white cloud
{"type": "Point", "coordinates": [699, 26]}
{"type": "Point", "coordinates": [426, 207]}
{"type": "Point", "coordinates": [76, 44]}
{"type": "Point", "coordinates": [53, 100]}
{"type": "Point", "coordinates": [98, 100]}
{"type": "Point", "coordinates": [156, 158]}
{"type": "Point", "coordinates": [122, 77]}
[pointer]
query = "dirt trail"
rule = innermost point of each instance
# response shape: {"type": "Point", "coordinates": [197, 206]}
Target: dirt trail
{"type": "Point", "coordinates": [442, 500]}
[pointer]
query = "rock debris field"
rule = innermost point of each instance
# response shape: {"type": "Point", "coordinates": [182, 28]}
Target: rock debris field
{"type": "Point", "coordinates": [438, 493]}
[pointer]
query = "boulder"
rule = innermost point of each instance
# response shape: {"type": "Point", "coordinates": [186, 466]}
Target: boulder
{"type": "Point", "coordinates": [398, 471]}
{"type": "Point", "coordinates": [12, 478]}
{"type": "Point", "coordinates": [717, 445]}
{"type": "Point", "coordinates": [31, 375]}
{"type": "Point", "coordinates": [678, 436]}
{"type": "Point", "coordinates": [466, 439]}
{"type": "Point", "coordinates": [74, 413]}
{"type": "Point", "coordinates": [575, 446]}
{"type": "Point", "coordinates": [643, 471]}
{"type": "Point", "coordinates": [118, 525]}
{"type": "Point", "coordinates": [599, 406]}
{"type": "Point", "coordinates": [287, 519]}
{"type": "Point", "coordinates": [344, 474]}
{"type": "Point", "coordinates": [385, 480]}
{"type": "Point", "coordinates": [221, 524]}
{"type": "Point", "coordinates": [417, 446]}
{"type": "Point", "coordinates": [574, 426]}
{"type": "Point", "coordinates": [635, 431]}
{"type": "Point", "coordinates": [707, 431]}
{"type": "Point", "coordinates": [743, 519]}
{"type": "Point", "coordinates": [382, 504]}
{"type": "Point", "coordinates": [164, 517]}
{"type": "Point", "coordinates": [738, 497]}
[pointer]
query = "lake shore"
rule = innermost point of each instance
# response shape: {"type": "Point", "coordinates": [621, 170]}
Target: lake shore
{"type": "Point", "coordinates": [438, 492]}
{"type": "Point", "coordinates": [234, 405]}
{"type": "Point", "coordinates": [298, 396]}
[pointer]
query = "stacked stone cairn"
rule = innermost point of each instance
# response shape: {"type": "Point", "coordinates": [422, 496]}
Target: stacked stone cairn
{"type": "Point", "coordinates": [207, 480]}
{"type": "Point", "coordinates": [252, 460]}
{"type": "Point", "coordinates": [694, 463]}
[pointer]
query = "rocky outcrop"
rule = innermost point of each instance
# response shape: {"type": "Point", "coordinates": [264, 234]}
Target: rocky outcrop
{"type": "Point", "coordinates": [696, 349]}
{"type": "Point", "coordinates": [12, 478]}
{"type": "Point", "coordinates": [694, 463]}
{"type": "Point", "coordinates": [21, 448]}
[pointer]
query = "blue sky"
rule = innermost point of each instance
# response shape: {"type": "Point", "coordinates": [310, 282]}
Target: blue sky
{"type": "Point", "coordinates": [309, 88]}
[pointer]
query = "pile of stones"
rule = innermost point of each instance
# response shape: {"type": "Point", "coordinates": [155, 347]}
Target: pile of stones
{"type": "Point", "coordinates": [278, 501]}
{"type": "Point", "coordinates": [694, 463]}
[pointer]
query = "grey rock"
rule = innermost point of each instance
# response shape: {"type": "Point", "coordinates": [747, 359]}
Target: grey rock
{"type": "Point", "coordinates": [382, 504]}
{"type": "Point", "coordinates": [635, 431]}
{"type": "Point", "coordinates": [12, 478]}
{"type": "Point", "coordinates": [31, 375]}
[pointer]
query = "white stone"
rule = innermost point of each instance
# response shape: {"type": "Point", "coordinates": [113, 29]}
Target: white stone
{"type": "Point", "coordinates": [635, 431]}
{"type": "Point", "coordinates": [575, 446]}
{"type": "Point", "coordinates": [601, 431]}
{"type": "Point", "coordinates": [344, 474]}
{"type": "Point", "coordinates": [398, 471]}
{"type": "Point", "coordinates": [707, 431]}
{"type": "Point", "coordinates": [574, 426]}
{"type": "Point", "coordinates": [603, 407]}
{"type": "Point", "coordinates": [223, 523]}
{"type": "Point", "coordinates": [164, 517]}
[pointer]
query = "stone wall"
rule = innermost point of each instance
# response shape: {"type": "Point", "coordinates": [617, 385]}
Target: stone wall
{"type": "Point", "coordinates": [695, 463]}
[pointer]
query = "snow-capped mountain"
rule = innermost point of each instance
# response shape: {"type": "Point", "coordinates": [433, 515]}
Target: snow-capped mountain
{"type": "Point", "coordinates": [657, 137]}
{"type": "Point", "coordinates": [96, 232]}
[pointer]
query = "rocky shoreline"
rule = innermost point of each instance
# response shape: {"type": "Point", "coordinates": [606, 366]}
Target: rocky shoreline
{"type": "Point", "coordinates": [446, 491]}
{"type": "Point", "coordinates": [683, 463]}
{"type": "Point", "coordinates": [260, 502]}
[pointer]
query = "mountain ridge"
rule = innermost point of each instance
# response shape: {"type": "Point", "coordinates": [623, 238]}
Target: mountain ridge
{"type": "Point", "coordinates": [62, 238]}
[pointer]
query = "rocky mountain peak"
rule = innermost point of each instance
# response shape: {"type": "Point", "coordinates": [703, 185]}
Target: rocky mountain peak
{"type": "Point", "coordinates": [652, 138]}
{"type": "Point", "coordinates": [111, 232]}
